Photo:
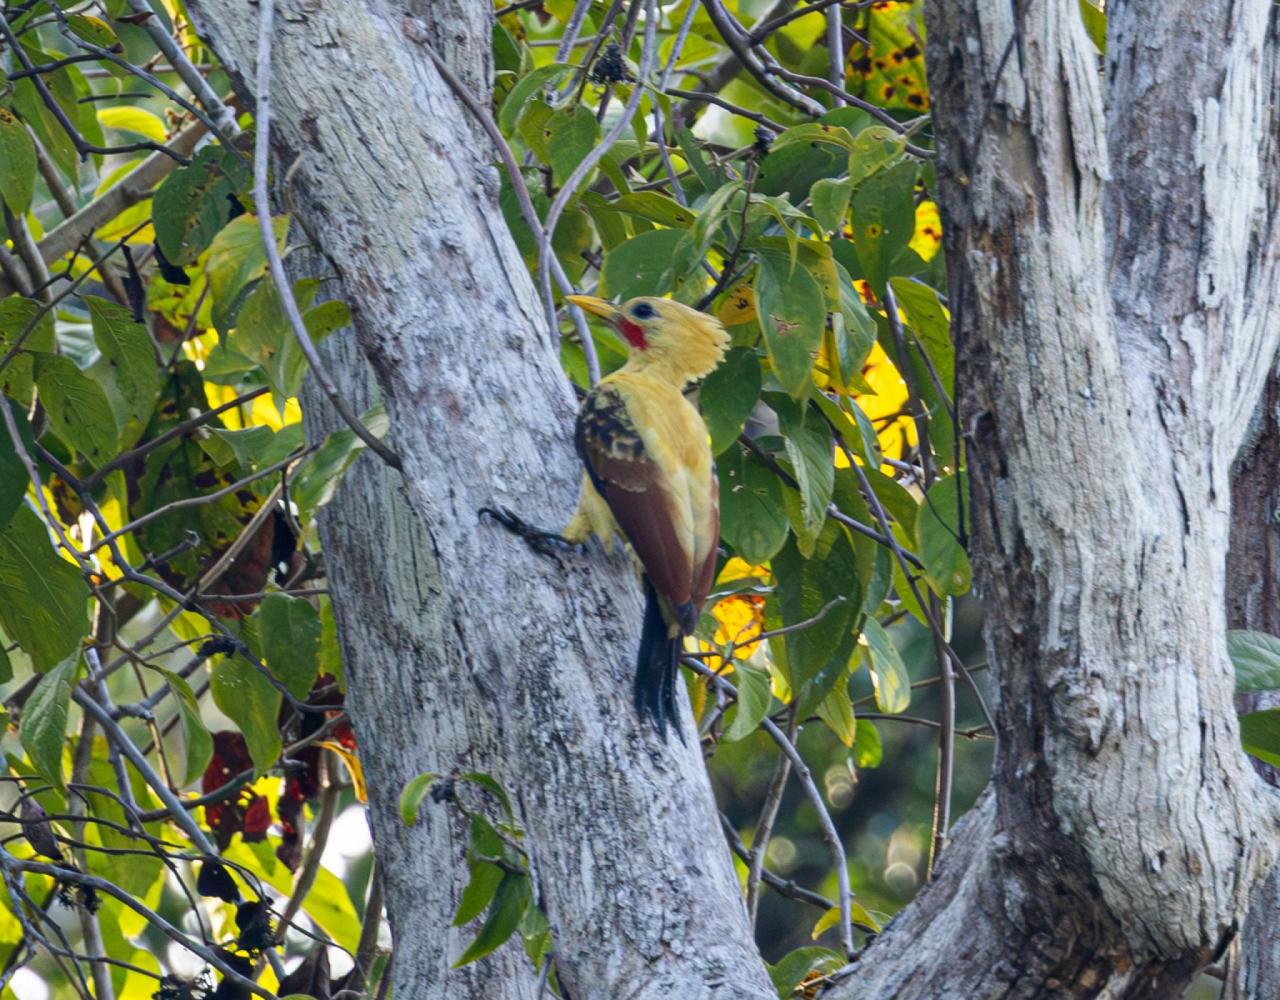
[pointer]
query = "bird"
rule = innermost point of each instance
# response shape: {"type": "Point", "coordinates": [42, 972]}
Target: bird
{"type": "Point", "coordinates": [649, 476]}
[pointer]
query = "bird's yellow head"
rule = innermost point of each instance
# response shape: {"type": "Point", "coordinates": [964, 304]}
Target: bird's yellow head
{"type": "Point", "coordinates": [662, 334]}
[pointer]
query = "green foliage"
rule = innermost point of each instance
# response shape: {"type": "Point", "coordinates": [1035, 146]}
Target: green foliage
{"type": "Point", "coordinates": [1256, 658]}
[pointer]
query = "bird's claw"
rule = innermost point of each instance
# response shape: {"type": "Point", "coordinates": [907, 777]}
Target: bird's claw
{"type": "Point", "coordinates": [546, 543]}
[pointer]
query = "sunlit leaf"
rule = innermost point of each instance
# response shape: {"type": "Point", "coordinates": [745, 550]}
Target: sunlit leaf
{"type": "Point", "coordinates": [888, 672]}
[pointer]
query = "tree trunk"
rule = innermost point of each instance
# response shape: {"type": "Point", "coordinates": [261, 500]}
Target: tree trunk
{"type": "Point", "coordinates": [464, 650]}
{"type": "Point", "coordinates": [1101, 302]}
{"type": "Point", "coordinates": [1253, 602]}
{"type": "Point", "coordinates": [1103, 292]}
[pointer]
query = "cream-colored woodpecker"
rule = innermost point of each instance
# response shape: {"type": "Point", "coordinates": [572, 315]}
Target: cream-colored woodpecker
{"type": "Point", "coordinates": [649, 476]}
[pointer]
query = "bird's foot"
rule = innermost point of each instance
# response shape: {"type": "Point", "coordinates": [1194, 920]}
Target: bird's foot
{"type": "Point", "coordinates": [546, 543]}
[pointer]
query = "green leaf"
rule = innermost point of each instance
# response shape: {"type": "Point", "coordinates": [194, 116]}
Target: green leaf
{"type": "Point", "coordinates": [754, 698]}
{"type": "Point", "coordinates": [824, 587]}
{"type": "Point", "coordinates": [415, 790]}
{"type": "Point", "coordinates": [31, 108]}
{"type": "Point", "coordinates": [794, 966]}
{"type": "Point", "coordinates": [328, 903]}
{"type": "Point", "coordinates": [236, 258]}
{"type": "Point", "coordinates": [19, 316]}
{"type": "Point", "coordinates": [6, 675]}
{"type": "Point", "coordinates": [195, 735]}
{"type": "Point", "coordinates": [728, 396]}
{"type": "Point", "coordinates": [854, 334]}
{"type": "Point", "coordinates": [526, 87]}
{"type": "Point", "coordinates": [898, 503]}
{"type": "Point", "coordinates": [888, 672]}
{"type": "Point", "coordinates": [883, 222]}
{"type": "Point", "coordinates": [479, 892]}
{"type": "Point", "coordinates": [128, 350]}
{"type": "Point", "coordinates": [643, 265]}
{"type": "Point", "coordinates": [490, 784]}
{"type": "Point", "coordinates": [654, 207]}
{"type": "Point", "coordinates": [752, 517]}
{"type": "Point", "coordinates": [1095, 24]}
{"type": "Point", "coordinates": [508, 907]}
{"type": "Point", "coordinates": [249, 700]}
{"type": "Point", "coordinates": [43, 598]}
{"type": "Point", "coordinates": [938, 529]}
{"type": "Point", "coordinates": [830, 198]}
{"type": "Point", "coordinates": [330, 651]}
{"type": "Point", "coordinates": [858, 914]}
{"type": "Point", "coordinates": [874, 148]}
{"type": "Point", "coordinates": [246, 445]}
{"type": "Point", "coordinates": [44, 720]}
{"type": "Point", "coordinates": [13, 474]}
{"type": "Point", "coordinates": [319, 475]}
{"type": "Point", "coordinates": [290, 632]}
{"type": "Point", "coordinates": [713, 214]}
{"type": "Point", "coordinates": [836, 710]}
{"type": "Point", "coordinates": [570, 136]}
{"type": "Point", "coordinates": [867, 749]}
{"type": "Point", "coordinates": [93, 30]}
{"type": "Point", "coordinates": [192, 204]}
{"type": "Point", "coordinates": [1256, 657]}
{"type": "Point", "coordinates": [79, 411]}
{"type": "Point", "coordinates": [709, 177]}
{"type": "Point", "coordinates": [17, 163]}
{"type": "Point", "coordinates": [127, 118]}
{"type": "Point", "coordinates": [792, 315]}
{"type": "Point", "coordinates": [927, 317]}
{"type": "Point", "coordinates": [812, 132]}
{"type": "Point", "coordinates": [808, 443]}
{"type": "Point", "coordinates": [1260, 734]}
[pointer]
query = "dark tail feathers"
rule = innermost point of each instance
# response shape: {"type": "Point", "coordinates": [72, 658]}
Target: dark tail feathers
{"type": "Point", "coordinates": [657, 665]}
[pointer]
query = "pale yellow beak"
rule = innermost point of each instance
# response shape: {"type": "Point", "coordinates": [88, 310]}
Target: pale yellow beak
{"type": "Point", "coordinates": [606, 310]}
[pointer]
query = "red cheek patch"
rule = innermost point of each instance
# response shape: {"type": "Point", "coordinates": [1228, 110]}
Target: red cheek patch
{"type": "Point", "coordinates": [633, 331]}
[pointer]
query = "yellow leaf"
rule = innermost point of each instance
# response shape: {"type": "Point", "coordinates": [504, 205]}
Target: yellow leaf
{"type": "Point", "coordinates": [353, 767]}
{"type": "Point", "coordinates": [928, 235]}
{"type": "Point", "coordinates": [739, 306]}
{"type": "Point", "coordinates": [128, 118]}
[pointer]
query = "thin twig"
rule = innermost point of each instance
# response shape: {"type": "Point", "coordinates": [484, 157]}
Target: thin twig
{"type": "Point", "coordinates": [805, 778]}
{"type": "Point", "coordinates": [588, 162]}
{"type": "Point", "coordinates": [222, 114]}
{"type": "Point", "coordinates": [764, 825]}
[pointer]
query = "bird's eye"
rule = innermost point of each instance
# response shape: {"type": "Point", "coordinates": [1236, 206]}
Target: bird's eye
{"type": "Point", "coordinates": [642, 310]}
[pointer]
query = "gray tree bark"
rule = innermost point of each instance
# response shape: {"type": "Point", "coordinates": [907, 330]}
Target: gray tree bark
{"type": "Point", "coordinates": [1114, 274]}
{"type": "Point", "coordinates": [1113, 243]}
{"type": "Point", "coordinates": [465, 651]}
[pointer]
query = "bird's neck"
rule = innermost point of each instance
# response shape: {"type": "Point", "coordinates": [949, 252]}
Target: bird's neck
{"type": "Point", "coordinates": [675, 369]}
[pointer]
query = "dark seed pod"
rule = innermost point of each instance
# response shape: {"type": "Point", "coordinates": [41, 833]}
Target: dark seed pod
{"type": "Point", "coordinates": [610, 68]}
{"type": "Point", "coordinates": [215, 880]}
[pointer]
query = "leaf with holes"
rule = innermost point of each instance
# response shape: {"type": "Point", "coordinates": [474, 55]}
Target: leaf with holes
{"type": "Point", "coordinates": [792, 316]}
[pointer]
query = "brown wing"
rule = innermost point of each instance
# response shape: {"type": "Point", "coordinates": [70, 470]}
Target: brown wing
{"type": "Point", "coordinates": [631, 483]}
{"type": "Point", "coordinates": [707, 571]}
